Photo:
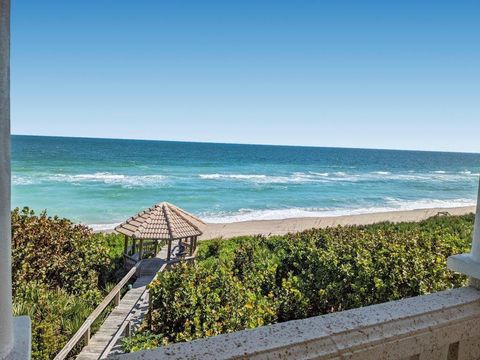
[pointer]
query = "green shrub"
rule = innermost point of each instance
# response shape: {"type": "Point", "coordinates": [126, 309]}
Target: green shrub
{"type": "Point", "coordinates": [55, 314]}
{"type": "Point", "coordinates": [142, 341]}
{"type": "Point", "coordinates": [60, 272]}
{"type": "Point", "coordinates": [113, 271]}
{"type": "Point", "coordinates": [55, 252]}
{"type": "Point", "coordinates": [252, 281]}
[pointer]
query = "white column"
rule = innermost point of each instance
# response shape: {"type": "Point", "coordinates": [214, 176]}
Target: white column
{"type": "Point", "coordinates": [469, 264]}
{"type": "Point", "coordinates": [15, 338]}
{"type": "Point", "coordinates": [6, 320]}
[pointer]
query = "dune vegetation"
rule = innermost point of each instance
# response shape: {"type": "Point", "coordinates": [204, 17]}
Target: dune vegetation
{"type": "Point", "coordinates": [248, 282]}
{"type": "Point", "coordinates": [60, 272]}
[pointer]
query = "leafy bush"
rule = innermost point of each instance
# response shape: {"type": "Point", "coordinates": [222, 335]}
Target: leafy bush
{"type": "Point", "coordinates": [60, 272]}
{"type": "Point", "coordinates": [252, 281]}
{"type": "Point", "coordinates": [55, 252]}
{"type": "Point", "coordinates": [143, 341]}
{"type": "Point", "coordinates": [56, 315]}
{"type": "Point", "coordinates": [112, 271]}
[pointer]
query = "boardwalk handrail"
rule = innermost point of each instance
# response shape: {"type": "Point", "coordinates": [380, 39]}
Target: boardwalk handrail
{"type": "Point", "coordinates": [124, 325]}
{"type": "Point", "coordinates": [83, 333]}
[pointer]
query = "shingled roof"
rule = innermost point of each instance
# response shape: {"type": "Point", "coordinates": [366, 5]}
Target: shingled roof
{"type": "Point", "coordinates": [162, 221]}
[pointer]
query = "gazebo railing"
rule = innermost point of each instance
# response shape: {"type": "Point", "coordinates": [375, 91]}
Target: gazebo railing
{"type": "Point", "coordinates": [150, 248]}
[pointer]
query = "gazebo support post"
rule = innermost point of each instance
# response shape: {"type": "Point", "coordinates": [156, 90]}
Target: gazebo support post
{"type": "Point", "coordinates": [134, 243]}
{"type": "Point", "coordinates": [140, 250]}
{"type": "Point", "coordinates": [125, 246]}
{"type": "Point", "coordinates": [169, 251]}
{"type": "Point", "coordinates": [191, 238]}
{"type": "Point", "coordinates": [180, 247]}
{"type": "Point", "coordinates": [156, 247]}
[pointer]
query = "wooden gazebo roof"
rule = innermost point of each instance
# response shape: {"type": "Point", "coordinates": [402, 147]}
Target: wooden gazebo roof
{"type": "Point", "coordinates": [162, 221]}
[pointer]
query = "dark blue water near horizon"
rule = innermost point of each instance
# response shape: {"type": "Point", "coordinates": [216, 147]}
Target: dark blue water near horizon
{"type": "Point", "coordinates": [102, 181]}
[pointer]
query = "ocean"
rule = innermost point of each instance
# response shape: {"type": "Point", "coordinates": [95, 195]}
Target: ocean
{"type": "Point", "coordinates": [101, 182]}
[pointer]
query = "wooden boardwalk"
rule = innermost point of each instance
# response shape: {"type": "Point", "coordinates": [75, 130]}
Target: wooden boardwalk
{"type": "Point", "coordinates": [132, 307]}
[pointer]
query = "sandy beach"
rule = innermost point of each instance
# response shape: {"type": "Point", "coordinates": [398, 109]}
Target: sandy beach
{"type": "Point", "coordinates": [285, 226]}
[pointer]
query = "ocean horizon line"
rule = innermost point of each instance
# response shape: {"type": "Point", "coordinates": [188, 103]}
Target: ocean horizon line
{"type": "Point", "coordinates": [244, 144]}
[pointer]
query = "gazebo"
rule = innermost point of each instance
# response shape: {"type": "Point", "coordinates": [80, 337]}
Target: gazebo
{"type": "Point", "coordinates": [161, 222]}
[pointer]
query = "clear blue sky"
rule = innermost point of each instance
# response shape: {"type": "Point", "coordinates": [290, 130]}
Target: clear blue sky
{"type": "Point", "coordinates": [377, 74]}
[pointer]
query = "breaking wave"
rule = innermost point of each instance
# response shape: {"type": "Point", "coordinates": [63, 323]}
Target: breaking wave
{"type": "Point", "coordinates": [127, 181]}
{"type": "Point", "coordinates": [391, 204]}
{"type": "Point", "coordinates": [22, 180]}
{"type": "Point", "coordinates": [325, 177]}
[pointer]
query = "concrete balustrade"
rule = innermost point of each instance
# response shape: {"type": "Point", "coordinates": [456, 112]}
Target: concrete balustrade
{"type": "Point", "coordinates": [445, 325]}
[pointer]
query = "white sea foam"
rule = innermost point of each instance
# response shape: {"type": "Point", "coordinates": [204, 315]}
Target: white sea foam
{"type": "Point", "coordinates": [127, 181]}
{"type": "Point", "coordinates": [156, 180]}
{"type": "Point", "coordinates": [297, 177]}
{"type": "Point", "coordinates": [22, 180]}
{"type": "Point", "coordinates": [469, 173]}
{"type": "Point", "coordinates": [398, 204]}
{"type": "Point", "coordinates": [103, 227]}
{"type": "Point", "coordinates": [340, 176]}
{"type": "Point", "coordinates": [256, 178]}
{"type": "Point", "coordinates": [232, 176]}
{"type": "Point", "coordinates": [436, 176]}
{"type": "Point", "coordinates": [392, 204]}
{"type": "Point", "coordinates": [319, 174]}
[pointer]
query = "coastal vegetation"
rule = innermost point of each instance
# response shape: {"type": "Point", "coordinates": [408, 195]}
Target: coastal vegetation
{"type": "Point", "coordinates": [60, 272]}
{"type": "Point", "coordinates": [248, 282]}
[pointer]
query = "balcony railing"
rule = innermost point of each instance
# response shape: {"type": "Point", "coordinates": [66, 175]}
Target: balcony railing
{"type": "Point", "coordinates": [441, 326]}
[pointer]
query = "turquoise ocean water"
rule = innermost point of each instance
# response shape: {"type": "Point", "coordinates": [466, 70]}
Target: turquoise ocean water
{"type": "Point", "coordinates": [101, 182]}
